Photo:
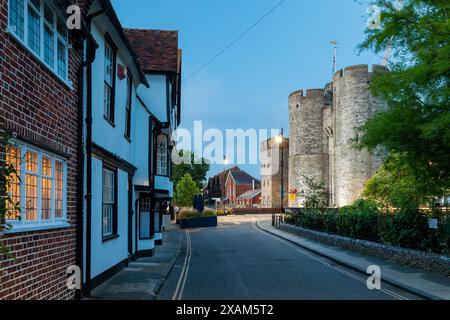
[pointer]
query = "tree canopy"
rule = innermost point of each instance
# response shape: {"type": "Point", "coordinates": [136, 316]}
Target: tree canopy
{"type": "Point", "coordinates": [185, 191]}
{"type": "Point", "coordinates": [415, 126]}
{"type": "Point", "coordinates": [197, 169]}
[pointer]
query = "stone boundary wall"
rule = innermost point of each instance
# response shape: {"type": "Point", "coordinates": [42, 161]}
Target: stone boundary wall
{"type": "Point", "coordinates": [427, 261]}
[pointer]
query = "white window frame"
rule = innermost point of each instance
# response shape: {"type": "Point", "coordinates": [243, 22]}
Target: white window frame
{"type": "Point", "coordinates": [162, 156]}
{"type": "Point", "coordinates": [57, 37]}
{"type": "Point", "coordinates": [108, 231]}
{"type": "Point", "coordinates": [23, 224]}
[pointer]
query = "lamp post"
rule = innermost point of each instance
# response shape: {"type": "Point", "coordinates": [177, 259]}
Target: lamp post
{"type": "Point", "coordinates": [279, 139]}
{"type": "Point", "coordinates": [225, 162]}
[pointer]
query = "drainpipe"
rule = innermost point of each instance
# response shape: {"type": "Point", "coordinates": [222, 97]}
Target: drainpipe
{"type": "Point", "coordinates": [90, 48]}
{"type": "Point", "coordinates": [89, 160]}
{"type": "Point", "coordinates": [90, 55]}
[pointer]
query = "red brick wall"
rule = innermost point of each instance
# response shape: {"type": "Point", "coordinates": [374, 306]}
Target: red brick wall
{"type": "Point", "coordinates": [40, 108]}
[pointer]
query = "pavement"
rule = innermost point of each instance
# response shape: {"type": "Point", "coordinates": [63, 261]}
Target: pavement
{"type": "Point", "coordinates": [143, 278]}
{"type": "Point", "coordinates": [239, 261]}
{"type": "Point", "coordinates": [425, 284]}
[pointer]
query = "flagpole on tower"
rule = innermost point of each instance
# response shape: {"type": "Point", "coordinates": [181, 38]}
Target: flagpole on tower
{"type": "Point", "coordinates": [334, 43]}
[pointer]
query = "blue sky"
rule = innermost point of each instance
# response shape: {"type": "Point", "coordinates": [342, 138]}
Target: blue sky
{"type": "Point", "coordinates": [249, 84]}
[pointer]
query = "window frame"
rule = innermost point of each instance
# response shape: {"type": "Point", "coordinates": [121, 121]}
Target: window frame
{"type": "Point", "coordinates": [128, 106]}
{"type": "Point", "coordinates": [25, 224]}
{"type": "Point", "coordinates": [114, 234]}
{"type": "Point", "coordinates": [159, 171]}
{"type": "Point", "coordinates": [57, 37]}
{"type": "Point", "coordinates": [146, 205]}
{"type": "Point", "coordinates": [110, 118]}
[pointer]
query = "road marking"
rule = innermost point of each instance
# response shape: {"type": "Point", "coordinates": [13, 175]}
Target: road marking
{"type": "Point", "coordinates": [183, 276]}
{"type": "Point", "coordinates": [325, 263]}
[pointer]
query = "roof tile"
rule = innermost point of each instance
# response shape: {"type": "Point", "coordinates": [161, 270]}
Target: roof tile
{"type": "Point", "coordinates": [157, 50]}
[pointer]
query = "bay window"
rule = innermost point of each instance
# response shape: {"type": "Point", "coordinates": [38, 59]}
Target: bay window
{"type": "Point", "coordinates": [38, 26]}
{"type": "Point", "coordinates": [38, 189]}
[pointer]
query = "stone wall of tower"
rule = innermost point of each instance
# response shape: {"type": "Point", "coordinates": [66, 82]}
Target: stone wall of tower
{"type": "Point", "coordinates": [353, 106]}
{"type": "Point", "coordinates": [323, 127]}
{"type": "Point", "coordinates": [306, 148]}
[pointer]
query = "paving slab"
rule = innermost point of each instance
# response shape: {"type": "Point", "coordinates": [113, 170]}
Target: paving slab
{"type": "Point", "coordinates": [142, 279]}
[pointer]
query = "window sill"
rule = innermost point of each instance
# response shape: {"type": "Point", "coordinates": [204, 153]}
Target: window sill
{"type": "Point", "coordinates": [66, 83]}
{"type": "Point", "coordinates": [109, 121]}
{"type": "Point", "coordinates": [109, 238]}
{"type": "Point", "coordinates": [20, 228]}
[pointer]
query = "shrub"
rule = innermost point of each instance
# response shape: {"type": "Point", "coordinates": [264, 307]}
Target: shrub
{"type": "Point", "coordinates": [187, 214]}
{"type": "Point", "coordinates": [411, 228]}
{"type": "Point", "coordinates": [359, 220]}
{"type": "Point", "coordinates": [407, 227]}
{"type": "Point", "coordinates": [209, 213]}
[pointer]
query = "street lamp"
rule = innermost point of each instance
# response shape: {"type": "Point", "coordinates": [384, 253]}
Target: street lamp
{"type": "Point", "coordinates": [225, 162]}
{"type": "Point", "coordinates": [279, 140]}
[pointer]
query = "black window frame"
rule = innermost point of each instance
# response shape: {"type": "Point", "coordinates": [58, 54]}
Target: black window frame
{"type": "Point", "coordinates": [115, 233]}
{"type": "Point", "coordinates": [110, 118]}
{"type": "Point", "coordinates": [128, 107]}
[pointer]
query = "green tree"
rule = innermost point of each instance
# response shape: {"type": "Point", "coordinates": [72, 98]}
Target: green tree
{"type": "Point", "coordinates": [314, 193]}
{"type": "Point", "coordinates": [8, 174]}
{"type": "Point", "coordinates": [395, 185]}
{"type": "Point", "coordinates": [416, 121]}
{"type": "Point", "coordinates": [197, 168]}
{"type": "Point", "coordinates": [185, 191]}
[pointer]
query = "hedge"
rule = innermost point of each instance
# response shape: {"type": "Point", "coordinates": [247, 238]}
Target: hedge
{"type": "Point", "coordinates": [407, 227]}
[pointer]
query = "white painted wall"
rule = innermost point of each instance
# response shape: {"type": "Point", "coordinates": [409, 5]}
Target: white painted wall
{"type": "Point", "coordinates": [140, 143]}
{"type": "Point", "coordinates": [109, 137]}
{"type": "Point", "coordinates": [155, 97]}
{"type": "Point", "coordinates": [164, 183]}
{"type": "Point", "coordinates": [107, 254]}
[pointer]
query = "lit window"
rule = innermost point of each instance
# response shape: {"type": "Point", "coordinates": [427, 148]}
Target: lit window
{"type": "Point", "coordinates": [46, 193]}
{"type": "Point", "coordinates": [13, 187]}
{"type": "Point", "coordinates": [36, 24]}
{"type": "Point", "coordinates": [161, 155]}
{"type": "Point", "coordinates": [59, 188]}
{"type": "Point", "coordinates": [31, 185]}
{"type": "Point", "coordinates": [39, 188]}
{"type": "Point", "coordinates": [109, 202]}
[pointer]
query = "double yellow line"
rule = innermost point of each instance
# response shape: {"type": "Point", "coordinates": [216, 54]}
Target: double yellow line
{"type": "Point", "coordinates": [184, 272]}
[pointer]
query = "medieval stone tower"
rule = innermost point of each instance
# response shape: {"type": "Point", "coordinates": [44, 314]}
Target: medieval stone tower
{"type": "Point", "coordinates": [322, 128]}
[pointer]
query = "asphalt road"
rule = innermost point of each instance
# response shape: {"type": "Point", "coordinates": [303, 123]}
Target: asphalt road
{"type": "Point", "coordinates": [238, 261]}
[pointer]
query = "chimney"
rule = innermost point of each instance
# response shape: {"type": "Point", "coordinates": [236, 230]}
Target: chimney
{"type": "Point", "coordinates": [253, 183]}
